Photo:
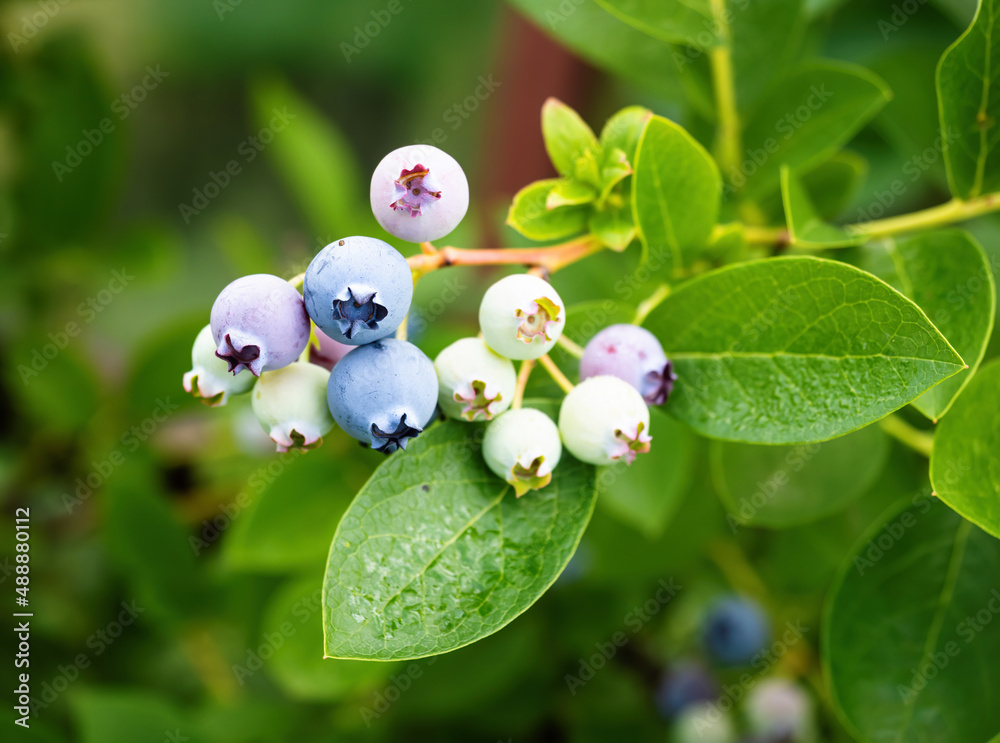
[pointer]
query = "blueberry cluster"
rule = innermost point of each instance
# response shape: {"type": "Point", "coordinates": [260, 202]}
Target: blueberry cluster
{"type": "Point", "coordinates": [735, 634]}
{"type": "Point", "coordinates": [328, 356]}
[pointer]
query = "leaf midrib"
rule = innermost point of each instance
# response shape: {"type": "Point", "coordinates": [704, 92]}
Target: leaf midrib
{"type": "Point", "coordinates": [493, 504]}
{"type": "Point", "coordinates": [798, 355]}
{"type": "Point", "coordinates": [944, 600]}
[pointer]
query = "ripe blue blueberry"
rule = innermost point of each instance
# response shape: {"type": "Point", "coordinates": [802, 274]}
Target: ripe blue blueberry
{"type": "Point", "coordinates": [209, 378]}
{"type": "Point", "coordinates": [522, 317]}
{"type": "Point", "coordinates": [383, 394]}
{"type": "Point", "coordinates": [634, 355]}
{"type": "Point", "coordinates": [419, 193]}
{"type": "Point", "coordinates": [685, 684]}
{"type": "Point", "coordinates": [778, 709]}
{"type": "Point", "coordinates": [522, 446]}
{"type": "Point", "coordinates": [604, 420]}
{"type": "Point", "coordinates": [735, 630]}
{"type": "Point", "coordinates": [474, 382]}
{"type": "Point", "coordinates": [290, 404]}
{"type": "Point", "coordinates": [259, 323]}
{"type": "Point", "coordinates": [358, 290]}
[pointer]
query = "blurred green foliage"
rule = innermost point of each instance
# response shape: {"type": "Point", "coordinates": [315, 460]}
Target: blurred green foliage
{"type": "Point", "coordinates": [141, 497]}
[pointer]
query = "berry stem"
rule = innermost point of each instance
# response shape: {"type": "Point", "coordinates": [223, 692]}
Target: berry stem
{"type": "Point", "coordinates": [522, 381]}
{"type": "Point", "coordinates": [298, 281]}
{"type": "Point", "coordinates": [551, 258]}
{"type": "Point", "coordinates": [649, 304]}
{"type": "Point", "coordinates": [554, 372]}
{"type": "Point", "coordinates": [312, 343]}
{"type": "Point", "coordinates": [570, 347]}
{"type": "Point", "coordinates": [921, 442]}
{"type": "Point", "coordinates": [738, 571]}
{"type": "Point", "coordinates": [402, 329]}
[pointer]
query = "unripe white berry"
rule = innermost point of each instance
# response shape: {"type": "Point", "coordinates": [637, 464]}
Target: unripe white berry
{"type": "Point", "coordinates": [474, 382]}
{"type": "Point", "coordinates": [522, 446]}
{"type": "Point", "coordinates": [209, 378]}
{"type": "Point", "coordinates": [291, 405]}
{"type": "Point", "coordinates": [604, 420]}
{"type": "Point", "coordinates": [522, 317]}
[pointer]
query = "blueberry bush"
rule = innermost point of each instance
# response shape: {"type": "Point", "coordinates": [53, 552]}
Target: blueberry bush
{"type": "Point", "coordinates": [709, 452]}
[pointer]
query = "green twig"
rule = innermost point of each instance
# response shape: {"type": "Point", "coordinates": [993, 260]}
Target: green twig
{"type": "Point", "coordinates": [649, 304]}
{"type": "Point", "coordinates": [728, 141]}
{"type": "Point", "coordinates": [921, 442]}
{"type": "Point", "coordinates": [556, 374]}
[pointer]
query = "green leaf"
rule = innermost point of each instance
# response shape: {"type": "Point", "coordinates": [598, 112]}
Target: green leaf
{"type": "Point", "coordinates": [624, 130]}
{"type": "Point", "coordinates": [805, 120]}
{"type": "Point", "coordinates": [150, 545]}
{"type": "Point", "coordinates": [764, 34]}
{"type": "Point", "coordinates": [615, 46]}
{"type": "Point", "coordinates": [832, 187]}
{"type": "Point", "coordinates": [783, 486]}
{"type": "Point", "coordinates": [676, 192]}
{"type": "Point", "coordinates": [646, 494]}
{"type": "Point", "coordinates": [965, 466]}
{"type": "Point", "coordinates": [568, 138]}
{"type": "Point", "coordinates": [613, 226]}
{"type": "Point", "coordinates": [316, 161]}
{"type": "Point", "coordinates": [805, 227]}
{"type": "Point", "coordinates": [905, 657]}
{"type": "Point", "coordinates": [529, 215]}
{"type": "Point", "coordinates": [948, 275]}
{"type": "Point", "coordinates": [969, 103]}
{"type": "Point", "coordinates": [689, 22]}
{"type": "Point", "coordinates": [570, 192]}
{"type": "Point", "coordinates": [794, 350]}
{"type": "Point", "coordinates": [295, 613]}
{"type": "Point", "coordinates": [436, 552]}
{"type": "Point", "coordinates": [129, 715]}
{"type": "Point", "coordinates": [289, 524]}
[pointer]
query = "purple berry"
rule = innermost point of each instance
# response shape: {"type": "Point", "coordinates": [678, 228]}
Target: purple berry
{"type": "Point", "coordinates": [634, 355]}
{"type": "Point", "coordinates": [259, 323]}
{"type": "Point", "coordinates": [358, 290]}
{"type": "Point", "coordinates": [685, 684]}
{"type": "Point", "coordinates": [419, 193]}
